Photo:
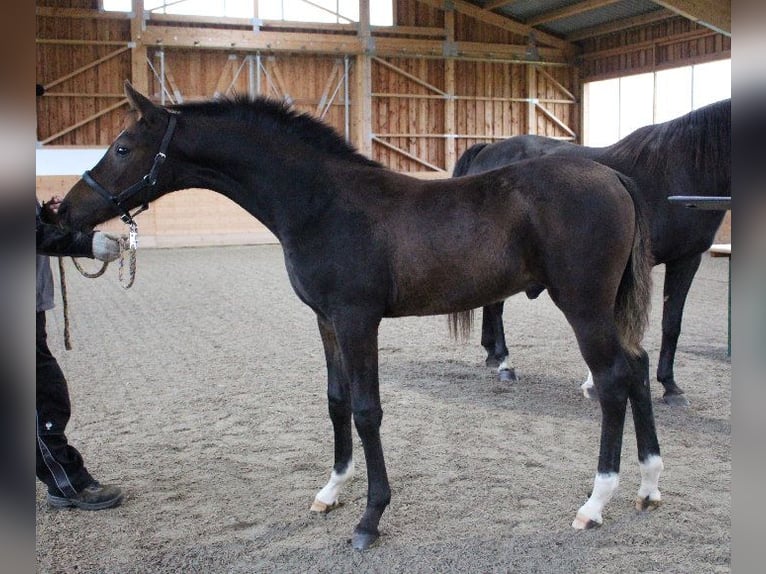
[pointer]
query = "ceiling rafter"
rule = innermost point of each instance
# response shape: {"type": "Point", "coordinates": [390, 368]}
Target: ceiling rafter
{"type": "Point", "coordinates": [713, 14]}
{"type": "Point", "coordinates": [495, 4]}
{"type": "Point", "coordinates": [622, 24]}
{"type": "Point", "coordinates": [503, 22]}
{"type": "Point", "coordinates": [568, 11]}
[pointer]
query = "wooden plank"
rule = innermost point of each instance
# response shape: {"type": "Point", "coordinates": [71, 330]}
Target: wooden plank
{"type": "Point", "coordinates": [85, 121]}
{"type": "Point", "coordinates": [406, 154]}
{"type": "Point", "coordinates": [88, 66]}
{"type": "Point", "coordinates": [557, 84]}
{"type": "Point", "coordinates": [409, 76]}
{"type": "Point", "coordinates": [450, 149]}
{"type": "Point", "coordinates": [556, 120]}
{"type": "Point", "coordinates": [532, 95]}
{"type": "Point", "coordinates": [83, 13]}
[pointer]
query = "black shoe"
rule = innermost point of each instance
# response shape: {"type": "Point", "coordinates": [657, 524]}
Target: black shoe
{"type": "Point", "coordinates": [95, 496]}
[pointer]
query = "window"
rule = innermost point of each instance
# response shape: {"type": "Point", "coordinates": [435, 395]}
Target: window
{"type": "Point", "coordinates": [325, 11]}
{"type": "Point", "coordinates": [614, 108]}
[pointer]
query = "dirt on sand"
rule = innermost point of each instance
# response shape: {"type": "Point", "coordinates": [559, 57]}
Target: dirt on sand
{"type": "Point", "coordinates": [202, 392]}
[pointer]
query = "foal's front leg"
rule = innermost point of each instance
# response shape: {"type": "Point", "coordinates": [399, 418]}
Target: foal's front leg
{"type": "Point", "coordinates": [339, 404]}
{"type": "Point", "coordinates": [357, 337]}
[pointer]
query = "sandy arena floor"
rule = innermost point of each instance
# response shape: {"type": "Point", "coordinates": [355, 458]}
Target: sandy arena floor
{"type": "Point", "coordinates": [201, 391]}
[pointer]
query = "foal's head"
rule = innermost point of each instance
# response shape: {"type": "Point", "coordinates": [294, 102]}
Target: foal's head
{"type": "Point", "coordinates": [122, 179]}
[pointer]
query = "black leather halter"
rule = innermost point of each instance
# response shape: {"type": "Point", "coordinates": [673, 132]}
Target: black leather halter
{"type": "Point", "coordinates": [145, 183]}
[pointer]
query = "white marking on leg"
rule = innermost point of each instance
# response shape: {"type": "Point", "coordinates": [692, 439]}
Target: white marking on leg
{"type": "Point", "coordinates": [604, 487]}
{"type": "Point", "coordinates": [650, 469]}
{"type": "Point", "coordinates": [503, 366]}
{"type": "Point", "coordinates": [328, 496]}
{"type": "Point", "coordinates": [587, 385]}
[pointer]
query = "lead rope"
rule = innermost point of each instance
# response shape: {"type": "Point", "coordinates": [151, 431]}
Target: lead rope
{"type": "Point", "coordinates": [128, 244]}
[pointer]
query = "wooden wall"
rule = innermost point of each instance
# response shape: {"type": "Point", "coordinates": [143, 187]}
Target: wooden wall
{"type": "Point", "coordinates": [669, 43]}
{"type": "Point", "coordinates": [419, 94]}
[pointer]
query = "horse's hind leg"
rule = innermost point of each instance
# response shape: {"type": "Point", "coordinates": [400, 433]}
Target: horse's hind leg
{"type": "Point", "coordinates": [339, 404]}
{"type": "Point", "coordinates": [649, 459]}
{"type": "Point", "coordinates": [493, 340]}
{"type": "Point", "coordinates": [678, 280]}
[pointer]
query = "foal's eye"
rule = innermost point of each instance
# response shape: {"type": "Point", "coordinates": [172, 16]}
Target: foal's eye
{"type": "Point", "coordinates": [122, 150]}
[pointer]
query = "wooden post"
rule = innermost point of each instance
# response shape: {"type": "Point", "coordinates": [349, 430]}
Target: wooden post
{"type": "Point", "coordinates": [450, 147]}
{"type": "Point", "coordinates": [361, 122]}
{"type": "Point", "coordinates": [139, 71]}
{"type": "Point", "coordinates": [532, 96]}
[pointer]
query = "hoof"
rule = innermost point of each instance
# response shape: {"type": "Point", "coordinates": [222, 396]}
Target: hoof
{"type": "Point", "coordinates": [675, 399]}
{"type": "Point", "coordinates": [582, 522]}
{"type": "Point", "coordinates": [507, 375]}
{"type": "Point", "coordinates": [643, 504]}
{"type": "Point", "coordinates": [590, 393]}
{"type": "Point", "coordinates": [363, 540]}
{"type": "Point", "coordinates": [320, 507]}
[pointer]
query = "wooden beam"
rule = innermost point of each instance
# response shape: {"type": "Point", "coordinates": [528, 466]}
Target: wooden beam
{"type": "Point", "coordinates": [244, 40]}
{"type": "Point", "coordinates": [713, 14]}
{"type": "Point", "coordinates": [406, 154]}
{"type": "Point", "coordinates": [667, 41]}
{"type": "Point", "coordinates": [88, 66]}
{"type": "Point", "coordinates": [621, 24]}
{"type": "Point", "coordinates": [494, 5]}
{"type": "Point", "coordinates": [79, 13]}
{"type": "Point", "coordinates": [89, 119]}
{"type": "Point", "coordinates": [567, 11]}
{"type": "Point", "coordinates": [139, 70]}
{"type": "Point", "coordinates": [556, 120]}
{"type": "Point", "coordinates": [361, 98]}
{"type": "Point", "coordinates": [502, 22]}
{"type": "Point", "coordinates": [450, 112]}
{"type": "Point", "coordinates": [172, 36]}
{"type": "Point", "coordinates": [409, 76]}
{"type": "Point", "coordinates": [532, 98]}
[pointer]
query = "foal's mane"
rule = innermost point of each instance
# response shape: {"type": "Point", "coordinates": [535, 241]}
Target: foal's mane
{"type": "Point", "coordinates": [703, 136]}
{"type": "Point", "coordinates": [278, 118]}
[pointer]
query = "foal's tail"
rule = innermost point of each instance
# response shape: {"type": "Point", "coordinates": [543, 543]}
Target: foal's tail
{"type": "Point", "coordinates": [464, 161]}
{"type": "Point", "coordinates": [634, 293]}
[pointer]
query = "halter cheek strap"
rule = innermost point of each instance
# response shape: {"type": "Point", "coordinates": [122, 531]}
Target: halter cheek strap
{"type": "Point", "coordinates": [144, 184]}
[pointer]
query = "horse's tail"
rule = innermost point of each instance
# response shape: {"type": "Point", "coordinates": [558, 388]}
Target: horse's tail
{"type": "Point", "coordinates": [635, 290]}
{"type": "Point", "coordinates": [464, 161]}
{"type": "Point", "coordinates": [460, 324]}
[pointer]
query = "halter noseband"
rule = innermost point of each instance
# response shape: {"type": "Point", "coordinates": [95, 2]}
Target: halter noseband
{"type": "Point", "coordinates": [146, 182]}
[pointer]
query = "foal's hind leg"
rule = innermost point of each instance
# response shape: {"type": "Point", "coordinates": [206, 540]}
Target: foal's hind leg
{"type": "Point", "coordinates": [612, 375]}
{"type": "Point", "coordinates": [339, 404]}
{"type": "Point", "coordinates": [493, 340]}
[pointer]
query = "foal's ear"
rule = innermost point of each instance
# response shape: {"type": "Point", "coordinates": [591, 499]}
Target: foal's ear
{"type": "Point", "coordinates": [140, 103]}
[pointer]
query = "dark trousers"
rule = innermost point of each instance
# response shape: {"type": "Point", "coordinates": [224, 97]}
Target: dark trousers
{"type": "Point", "coordinates": [59, 465]}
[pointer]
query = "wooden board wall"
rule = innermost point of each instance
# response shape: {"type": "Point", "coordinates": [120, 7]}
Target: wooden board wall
{"type": "Point", "coordinates": [666, 44]}
{"type": "Point", "coordinates": [426, 107]}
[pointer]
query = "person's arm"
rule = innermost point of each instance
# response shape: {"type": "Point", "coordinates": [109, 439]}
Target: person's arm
{"type": "Point", "coordinates": [54, 240]}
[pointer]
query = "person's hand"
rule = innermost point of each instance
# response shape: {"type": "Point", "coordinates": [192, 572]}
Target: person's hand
{"type": "Point", "coordinates": [106, 247]}
{"type": "Point", "coordinates": [50, 209]}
